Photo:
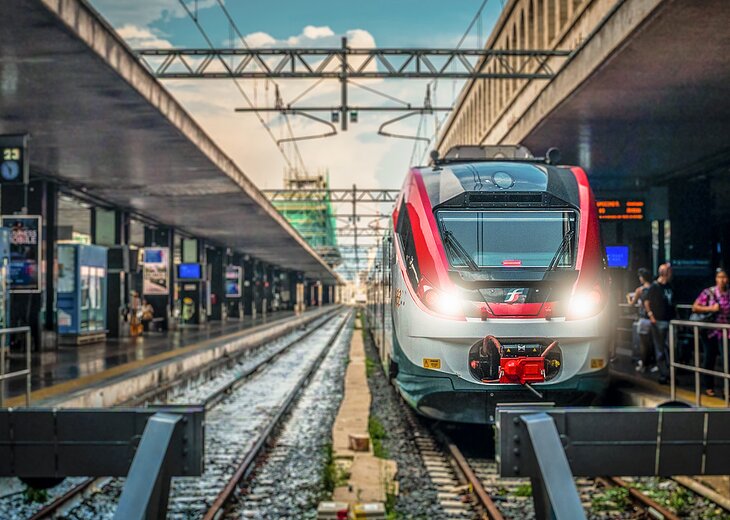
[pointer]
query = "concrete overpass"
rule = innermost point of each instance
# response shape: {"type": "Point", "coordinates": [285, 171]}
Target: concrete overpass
{"type": "Point", "coordinates": [642, 104]}
{"type": "Point", "coordinates": [101, 123]}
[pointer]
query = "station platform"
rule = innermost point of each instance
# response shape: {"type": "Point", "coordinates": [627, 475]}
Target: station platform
{"type": "Point", "coordinates": [66, 370]}
{"type": "Point", "coordinates": [644, 389]}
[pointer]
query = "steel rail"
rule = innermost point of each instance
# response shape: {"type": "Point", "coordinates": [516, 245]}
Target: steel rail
{"type": "Point", "coordinates": [653, 508]}
{"type": "Point", "coordinates": [50, 509]}
{"type": "Point", "coordinates": [474, 482]}
{"type": "Point", "coordinates": [246, 466]}
{"type": "Point", "coordinates": [64, 499]}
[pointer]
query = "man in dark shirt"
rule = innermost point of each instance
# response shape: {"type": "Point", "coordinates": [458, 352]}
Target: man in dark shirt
{"type": "Point", "coordinates": [659, 307]}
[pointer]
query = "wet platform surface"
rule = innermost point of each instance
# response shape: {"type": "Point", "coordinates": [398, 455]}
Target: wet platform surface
{"type": "Point", "coordinates": [66, 362]}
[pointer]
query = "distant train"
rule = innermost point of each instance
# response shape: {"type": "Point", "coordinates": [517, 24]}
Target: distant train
{"type": "Point", "coordinates": [491, 287]}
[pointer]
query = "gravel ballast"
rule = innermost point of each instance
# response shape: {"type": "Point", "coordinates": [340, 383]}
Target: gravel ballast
{"type": "Point", "coordinates": [417, 495]}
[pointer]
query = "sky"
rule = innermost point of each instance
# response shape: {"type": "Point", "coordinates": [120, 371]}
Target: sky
{"type": "Point", "coordinates": [359, 156]}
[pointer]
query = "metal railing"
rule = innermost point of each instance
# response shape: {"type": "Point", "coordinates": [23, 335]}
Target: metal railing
{"type": "Point", "coordinates": [696, 368]}
{"type": "Point", "coordinates": [5, 333]}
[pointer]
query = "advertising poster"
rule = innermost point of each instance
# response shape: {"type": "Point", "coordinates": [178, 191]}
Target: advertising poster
{"type": "Point", "coordinates": [155, 270]}
{"type": "Point", "coordinates": [233, 281]}
{"type": "Point", "coordinates": [25, 252]}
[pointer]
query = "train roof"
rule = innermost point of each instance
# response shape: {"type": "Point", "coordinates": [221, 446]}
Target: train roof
{"type": "Point", "coordinates": [501, 182]}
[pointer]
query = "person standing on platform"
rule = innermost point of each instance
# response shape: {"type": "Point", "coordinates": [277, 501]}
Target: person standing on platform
{"type": "Point", "coordinates": [659, 306]}
{"type": "Point", "coordinates": [148, 314]}
{"type": "Point", "coordinates": [715, 302]}
{"type": "Point", "coordinates": [642, 326]}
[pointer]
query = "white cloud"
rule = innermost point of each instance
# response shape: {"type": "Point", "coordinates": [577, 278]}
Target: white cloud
{"type": "Point", "coordinates": [313, 36]}
{"type": "Point", "coordinates": [259, 39]}
{"type": "Point", "coordinates": [141, 37]}
{"type": "Point", "coordinates": [312, 33]}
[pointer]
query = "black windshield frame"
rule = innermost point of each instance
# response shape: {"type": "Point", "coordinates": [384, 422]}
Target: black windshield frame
{"type": "Point", "coordinates": [570, 218]}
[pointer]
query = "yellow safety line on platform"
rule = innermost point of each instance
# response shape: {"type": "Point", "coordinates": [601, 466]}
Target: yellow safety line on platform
{"type": "Point", "coordinates": [682, 394]}
{"type": "Point", "coordinates": [83, 381]}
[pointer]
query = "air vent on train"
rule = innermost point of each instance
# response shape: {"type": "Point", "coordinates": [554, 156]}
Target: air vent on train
{"type": "Point", "coordinates": [505, 198]}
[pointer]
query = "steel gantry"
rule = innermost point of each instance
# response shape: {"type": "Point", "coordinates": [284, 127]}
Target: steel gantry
{"type": "Point", "coordinates": [338, 63]}
{"type": "Point", "coordinates": [345, 64]}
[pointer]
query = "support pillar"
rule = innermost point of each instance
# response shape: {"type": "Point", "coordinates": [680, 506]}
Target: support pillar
{"type": "Point", "coordinates": [217, 262]}
{"type": "Point", "coordinates": [162, 304]}
{"type": "Point", "coordinates": [110, 228]}
{"type": "Point", "coordinates": [249, 286]}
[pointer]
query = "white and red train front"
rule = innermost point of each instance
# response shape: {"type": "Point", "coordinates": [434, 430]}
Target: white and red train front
{"type": "Point", "coordinates": [499, 288]}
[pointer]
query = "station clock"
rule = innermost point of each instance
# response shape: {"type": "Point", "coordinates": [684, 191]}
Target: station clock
{"type": "Point", "coordinates": [13, 159]}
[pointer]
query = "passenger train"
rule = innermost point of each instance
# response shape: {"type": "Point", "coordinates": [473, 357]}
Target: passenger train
{"type": "Point", "coordinates": [491, 286]}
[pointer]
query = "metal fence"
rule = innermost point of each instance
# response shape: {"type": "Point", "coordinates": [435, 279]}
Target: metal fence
{"type": "Point", "coordinates": [4, 336]}
{"type": "Point", "coordinates": [698, 327]}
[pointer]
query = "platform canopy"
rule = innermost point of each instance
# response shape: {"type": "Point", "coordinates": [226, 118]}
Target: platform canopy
{"type": "Point", "coordinates": [99, 121]}
{"type": "Point", "coordinates": [657, 107]}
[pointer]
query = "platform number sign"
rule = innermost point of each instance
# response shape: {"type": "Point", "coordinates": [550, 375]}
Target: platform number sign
{"type": "Point", "coordinates": [13, 159]}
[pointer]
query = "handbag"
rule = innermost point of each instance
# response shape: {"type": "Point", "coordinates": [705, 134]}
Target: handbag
{"type": "Point", "coordinates": [643, 326]}
{"type": "Point", "coordinates": [704, 316]}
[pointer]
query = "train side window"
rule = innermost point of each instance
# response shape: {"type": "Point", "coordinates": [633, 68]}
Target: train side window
{"type": "Point", "coordinates": [408, 245]}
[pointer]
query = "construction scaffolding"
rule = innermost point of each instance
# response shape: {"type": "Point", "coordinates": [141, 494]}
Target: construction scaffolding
{"type": "Point", "coordinates": [312, 216]}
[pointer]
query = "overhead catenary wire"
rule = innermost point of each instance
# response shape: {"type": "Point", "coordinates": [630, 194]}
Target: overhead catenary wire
{"type": "Point", "coordinates": [233, 26]}
{"type": "Point", "coordinates": [477, 19]}
{"type": "Point", "coordinates": [292, 139]}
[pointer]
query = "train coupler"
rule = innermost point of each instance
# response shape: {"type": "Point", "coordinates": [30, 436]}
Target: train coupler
{"type": "Point", "coordinates": [492, 362]}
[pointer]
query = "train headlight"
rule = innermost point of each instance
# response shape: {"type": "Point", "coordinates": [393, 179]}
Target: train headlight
{"type": "Point", "coordinates": [442, 302]}
{"type": "Point", "coordinates": [585, 304]}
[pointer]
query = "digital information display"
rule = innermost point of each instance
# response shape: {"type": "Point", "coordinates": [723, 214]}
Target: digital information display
{"type": "Point", "coordinates": [617, 256]}
{"type": "Point", "coordinates": [620, 209]}
{"type": "Point", "coordinates": [13, 159]}
{"type": "Point", "coordinates": [189, 272]}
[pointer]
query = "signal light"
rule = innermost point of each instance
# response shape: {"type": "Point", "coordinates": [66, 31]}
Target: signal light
{"type": "Point", "coordinates": [335, 116]}
{"type": "Point", "coordinates": [353, 116]}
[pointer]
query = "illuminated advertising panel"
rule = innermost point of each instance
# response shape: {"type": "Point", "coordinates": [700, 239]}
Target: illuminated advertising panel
{"type": "Point", "coordinates": [155, 271]}
{"type": "Point", "coordinates": [25, 252]}
{"type": "Point", "coordinates": [234, 274]}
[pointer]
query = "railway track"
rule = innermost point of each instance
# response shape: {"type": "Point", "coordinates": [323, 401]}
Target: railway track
{"type": "Point", "coordinates": [602, 497]}
{"type": "Point", "coordinates": [470, 486]}
{"type": "Point", "coordinates": [243, 413]}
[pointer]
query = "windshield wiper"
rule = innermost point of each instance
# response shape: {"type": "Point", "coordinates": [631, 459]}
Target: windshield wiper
{"type": "Point", "coordinates": [456, 247]}
{"type": "Point", "coordinates": [565, 243]}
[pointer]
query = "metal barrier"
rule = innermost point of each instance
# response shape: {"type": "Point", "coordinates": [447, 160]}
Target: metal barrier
{"type": "Point", "coordinates": [148, 446]}
{"type": "Point", "coordinates": [4, 333]}
{"type": "Point", "coordinates": [553, 446]}
{"type": "Point", "coordinates": [696, 368]}
{"type": "Point", "coordinates": [627, 315]}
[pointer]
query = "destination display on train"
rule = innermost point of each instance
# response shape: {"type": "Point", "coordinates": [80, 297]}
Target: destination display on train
{"type": "Point", "coordinates": [620, 209]}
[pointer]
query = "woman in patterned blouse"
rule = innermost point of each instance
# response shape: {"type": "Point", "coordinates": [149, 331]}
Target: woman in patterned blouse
{"type": "Point", "coordinates": [715, 299]}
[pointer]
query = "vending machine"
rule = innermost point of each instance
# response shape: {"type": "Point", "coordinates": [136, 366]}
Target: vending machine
{"type": "Point", "coordinates": [81, 298]}
{"type": "Point", "coordinates": [192, 290]}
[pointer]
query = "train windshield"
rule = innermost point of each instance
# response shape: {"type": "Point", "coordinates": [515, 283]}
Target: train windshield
{"type": "Point", "coordinates": [508, 239]}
